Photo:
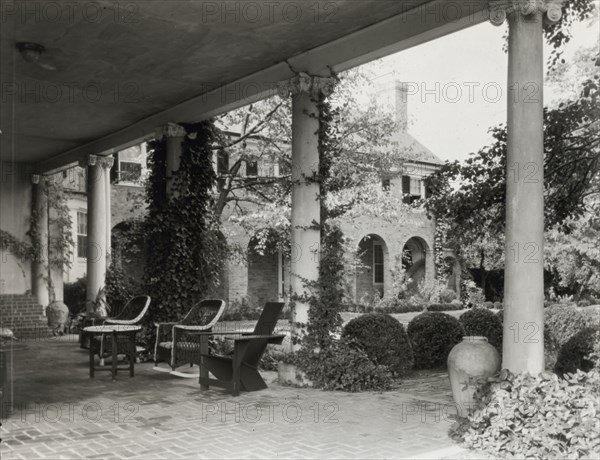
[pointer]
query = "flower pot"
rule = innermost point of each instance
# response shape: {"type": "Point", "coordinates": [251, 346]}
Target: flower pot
{"type": "Point", "coordinates": [473, 357]}
{"type": "Point", "coordinates": [57, 314]}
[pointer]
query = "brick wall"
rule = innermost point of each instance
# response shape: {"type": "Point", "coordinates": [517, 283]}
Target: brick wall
{"type": "Point", "coordinates": [23, 315]}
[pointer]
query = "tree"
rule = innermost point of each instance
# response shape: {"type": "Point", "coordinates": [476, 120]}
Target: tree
{"type": "Point", "coordinates": [470, 197]}
{"type": "Point", "coordinates": [360, 138]}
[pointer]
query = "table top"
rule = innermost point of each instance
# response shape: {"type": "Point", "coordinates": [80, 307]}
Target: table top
{"type": "Point", "coordinates": [111, 328]}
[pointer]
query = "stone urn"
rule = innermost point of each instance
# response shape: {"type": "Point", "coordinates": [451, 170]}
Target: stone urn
{"type": "Point", "coordinates": [473, 357]}
{"type": "Point", "coordinates": [57, 313]}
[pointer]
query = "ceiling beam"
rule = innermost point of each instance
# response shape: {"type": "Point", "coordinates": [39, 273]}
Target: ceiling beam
{"type": "Point", "coordinates": [419, 25]}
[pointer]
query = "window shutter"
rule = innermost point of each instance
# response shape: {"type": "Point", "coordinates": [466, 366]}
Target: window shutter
{"type": "Point", "coordinates": [251, 168]}
{"type": "Point", "coordinates": [406, 189]}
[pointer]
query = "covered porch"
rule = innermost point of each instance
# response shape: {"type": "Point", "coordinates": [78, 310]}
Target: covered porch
{"type": "Point", "coordinates": [125, 76]}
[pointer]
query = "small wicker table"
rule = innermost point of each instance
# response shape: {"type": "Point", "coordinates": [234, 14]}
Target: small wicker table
{"type": "Point", "coordinates": [114, 330]}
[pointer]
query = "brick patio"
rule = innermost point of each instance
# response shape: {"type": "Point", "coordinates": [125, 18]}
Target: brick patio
{"type": "Point", "coordinates": [61, 413]}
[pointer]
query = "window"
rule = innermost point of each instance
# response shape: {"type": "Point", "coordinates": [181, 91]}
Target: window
{"type": "Point", "coordinates": [385, 184]}
{"type": "Point", "coordinates": [269, 168]}
{"type": "Point", "coordinates": [377, 262]}
{"type": "Point", "coordinates": [411, 188]}
{"type": "Point", "coordinates": [251, 168]}
{"type": "Point", "coordinates": [415, 187]}
{"type": "Point", "coordinates": [130, 172]}
{"type": "Point", "coordinates": [81, 234]}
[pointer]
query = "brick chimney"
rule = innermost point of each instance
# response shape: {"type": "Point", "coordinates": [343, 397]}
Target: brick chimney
{"type": "Point", "coordinates": [392, 94]}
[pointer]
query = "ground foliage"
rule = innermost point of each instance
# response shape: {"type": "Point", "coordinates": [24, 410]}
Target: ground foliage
{"type": "Point", "coordinates": [543, 417]}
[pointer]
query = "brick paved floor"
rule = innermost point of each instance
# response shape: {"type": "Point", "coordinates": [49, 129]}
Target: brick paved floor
{"type": "Point", "coordinates": [61, 413]}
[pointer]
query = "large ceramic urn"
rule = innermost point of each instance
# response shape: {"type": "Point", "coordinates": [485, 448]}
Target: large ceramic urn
{"type": "Point", "coordinates": [473, 357]}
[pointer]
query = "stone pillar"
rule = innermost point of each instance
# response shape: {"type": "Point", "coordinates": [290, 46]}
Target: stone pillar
{"type": "Point", "coordinates": [175, 135]}
{"type": "Point", "coordinates": [96, 252]}
{"type": "Point", "coordinates": [107, 164]}
{"type": "Point", "coordinates": [523, 345]}
{"type": "Point", "coordinates": [306, 210]}
{"type": "Point", "coordinates": [40, 268]}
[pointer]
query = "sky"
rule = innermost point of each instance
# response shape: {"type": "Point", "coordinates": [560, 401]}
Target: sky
{"type": "Point", "coordinates": [458, 86]}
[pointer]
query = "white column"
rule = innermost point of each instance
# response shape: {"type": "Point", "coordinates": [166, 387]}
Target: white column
{"type": "Point", "coordinates": [96, 227]}
{"type": "Point", "coordinates": [523, 345]}
{"type": "Point", "coordinates": [175, 135]}
{"type": "Point", "coordinates": [306, 209]}
{"type": "Point", "coordinates": [107, 164]}
{"type": "Point", "coordinates": [40, 268]}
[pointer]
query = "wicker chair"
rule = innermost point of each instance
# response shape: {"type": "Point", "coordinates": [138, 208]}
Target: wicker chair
{"type": "Point", "coordinates": [175, 342]}
{"type": "Point", "coordinates": [132, 314]}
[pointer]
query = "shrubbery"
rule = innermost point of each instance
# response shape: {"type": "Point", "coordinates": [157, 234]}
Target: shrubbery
{"type": "Point", "coordinates": [75, 295]}
{"type": "Point", "coordinates": [482, 322]}
{"type": "Point", "coordinates": [561, 323]}
{"type": "Point", "coordinates": [383, 339]}
{"type": "Point", "coordinates": [343, 366]}
{"type": "Point", "coordinates": [520, 416]}
{"type": "Point", "coordinates": [432, 336]}
{"type": "Point", "coordinates": [577, 352]}
{"type": "Point", "coordinates": [445, 306]}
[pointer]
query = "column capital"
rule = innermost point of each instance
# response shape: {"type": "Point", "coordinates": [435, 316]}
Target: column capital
{"type": "Point", "coordinates": [93, 160]}
{"type": "Point", "coordinates": [499, 10]}
{"type": "Point", "coordinates": [305, 83]}
{"type": "Point", "coordinates": [170, 130]}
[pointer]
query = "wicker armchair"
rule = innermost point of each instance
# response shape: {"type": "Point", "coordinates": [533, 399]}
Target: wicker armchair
{"type": "Point", "coordinates": [132, 314]}
{"type": "Point", "coordinates": [175, 343]}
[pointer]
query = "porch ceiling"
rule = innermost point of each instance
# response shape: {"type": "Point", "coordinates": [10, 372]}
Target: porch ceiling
{"type": "Point", "coordinates": [122, 68]}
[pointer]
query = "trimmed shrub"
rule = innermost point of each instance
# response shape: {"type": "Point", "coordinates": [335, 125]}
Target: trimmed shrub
{"type": "Point", "coordinates": [577, 352]}
{"type": "Point", "coordinates": [75, 295]}
{"type": "Point", "coordinates": [563, 322]}
{"type": "Point", "coordinates": [445, 307]}
{"type": "Point", "coordinates": [383, 339]}
{"type": "Point", "coordinates": [498, 305]}
{"type": "Point", "coordinates": [481, 321]}
{"type": "Point", "coordinates": [343, 366]}
{"type": "Point", "coordinates": [521, 416]}
{"type": "Point", "coordinates": [488, 305]}
{"type": "Point", "coordinates": [432, 336]}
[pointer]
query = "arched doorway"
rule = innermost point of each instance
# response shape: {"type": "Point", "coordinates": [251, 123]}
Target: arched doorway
{"type": "Point", "coordinates": [414, 261]}
{"type": "Point", "coordinates": [266, 270]}
{"type": "Point", "coordinates": [373, 263]}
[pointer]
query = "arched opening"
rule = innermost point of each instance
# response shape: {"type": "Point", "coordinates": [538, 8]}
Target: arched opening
{"type": "Point", "coordinates": [414, 261]}
{"type": "Point", "coordinates": [372, 267]}
{"type": "Point", "coordinates": [266, 270]}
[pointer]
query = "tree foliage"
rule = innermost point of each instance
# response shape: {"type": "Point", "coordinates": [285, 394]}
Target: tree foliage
{"type": "Point", "coordinates": [469, 198]}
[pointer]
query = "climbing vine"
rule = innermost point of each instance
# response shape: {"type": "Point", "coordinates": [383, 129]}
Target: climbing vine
{"type": "Point", "coordinates": [185, 249]}
{"type": "Point", "coordinates": [329, 291]}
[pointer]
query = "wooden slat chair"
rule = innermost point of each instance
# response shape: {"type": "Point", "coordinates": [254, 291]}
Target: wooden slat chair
{"type": "Point", "coordinates": [131, 315]}
{"type": "Point", "coordinates": [240, 371]}
{"type": "Point", "coordinates": [176, 343]}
